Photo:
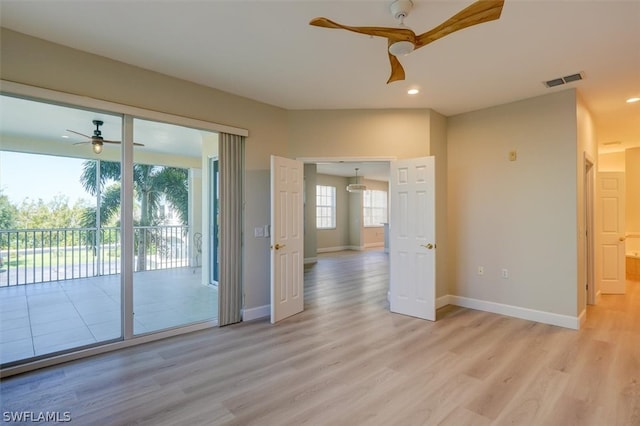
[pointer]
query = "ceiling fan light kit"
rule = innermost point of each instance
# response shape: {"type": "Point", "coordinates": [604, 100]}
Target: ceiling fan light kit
{"type": "Point", "coordinates": [96, 140]}
{"type": "Point", "coordinates": [401, 48]}
{"type": "Point", "coordinates": [97, 146]}
{"type": "Point", "coordinates": [402, 41]}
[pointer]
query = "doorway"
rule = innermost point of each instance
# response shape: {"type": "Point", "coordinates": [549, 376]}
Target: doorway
{"type": "Point", "coordinates": [411, 193]}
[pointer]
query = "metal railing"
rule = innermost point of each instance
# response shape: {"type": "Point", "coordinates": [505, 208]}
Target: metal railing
{"type": "Point", "coordinates": [30, 256]}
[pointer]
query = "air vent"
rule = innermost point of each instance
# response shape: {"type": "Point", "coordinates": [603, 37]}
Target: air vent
{"type": "Point", "coordinates": [563, 80]}
{"type": "Point", "coordinates": [572, 77]}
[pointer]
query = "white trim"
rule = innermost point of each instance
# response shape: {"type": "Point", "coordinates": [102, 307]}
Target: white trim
{"type": "Point", "coordinates": [517, 312]}
{"type": "Point", "coordinates": [10, 87]}
{"type": "Point", "coordinates": [372, 245]}
{"type": "Point", "coordinates": [443, 301]}
{"type": "Point", "coordinates": [251, 314]}
{"type": "Point", "coordinates": [103, 348]}
{"type": "Point", "coordinates": [582, 318]}
{"type": "Point", "coordinates": [332, 249]}
{"type": "Point", "coordinates": [310, 260]}
{"type": "Point", "coordinates": [312, 160]}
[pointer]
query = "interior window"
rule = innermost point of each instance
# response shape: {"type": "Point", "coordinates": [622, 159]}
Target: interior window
{"type": "Point", "coordinates": [325, 207]}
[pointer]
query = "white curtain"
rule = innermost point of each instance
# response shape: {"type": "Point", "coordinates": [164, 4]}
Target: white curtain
{"type": "Point", "coordinates": [231, 220]}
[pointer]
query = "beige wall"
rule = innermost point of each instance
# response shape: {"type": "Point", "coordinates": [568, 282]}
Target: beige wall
{"type": "Point", "coordinates": [632, 180]}
{"type": "Point", "coordinates": [611, 162]}
{"type": "Point", "coordinates": [359, 133]}
{"type": "Point", "coordinates": [517, 215]}
{"type": "Point", "coordinates": [438, 148]}
{"type": "Point", "coordinates": [310, 233]}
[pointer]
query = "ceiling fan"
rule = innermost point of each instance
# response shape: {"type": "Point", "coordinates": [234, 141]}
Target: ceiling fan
{"type": "Point", "coordinates": [96, 140]}
{"type": "Point", "coordinates": [402, 41]}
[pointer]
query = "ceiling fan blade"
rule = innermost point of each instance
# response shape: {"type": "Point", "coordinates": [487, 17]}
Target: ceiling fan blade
{"type": "Point", "coordinates": [397, 72]}
{"type": "Point", "coordinates": [477, 13]}
{"type": "Point", "coordinates": [118, 142]}
{"type": "Point", "coordinates": [393, 34]}
{"type": "Point", "coordinates": [81, 143]}
{"type": "Point", "coordinates": [78, 133]}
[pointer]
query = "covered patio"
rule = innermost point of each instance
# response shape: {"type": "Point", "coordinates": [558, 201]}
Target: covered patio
{"type": "Point", "coordinates": [44, 318]}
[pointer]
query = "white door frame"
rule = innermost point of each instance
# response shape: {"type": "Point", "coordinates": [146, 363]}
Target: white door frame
{"type": "Point", "coordinates": [589, 241]}
{"type": "Point", "coordinates": [314, 160]}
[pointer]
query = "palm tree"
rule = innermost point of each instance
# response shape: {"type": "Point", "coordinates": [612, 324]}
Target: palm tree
{"type": "Point", "coordinates": [151, 184]}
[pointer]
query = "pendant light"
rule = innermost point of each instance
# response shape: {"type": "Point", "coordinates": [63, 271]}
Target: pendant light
{"type": "Point", "coordinates": [356, 187]}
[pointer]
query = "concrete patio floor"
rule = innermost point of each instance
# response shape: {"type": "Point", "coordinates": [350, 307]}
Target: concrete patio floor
{"type": "Point", "coordinates": [43, 318]}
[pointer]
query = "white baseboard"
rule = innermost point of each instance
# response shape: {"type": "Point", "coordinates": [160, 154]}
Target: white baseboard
{"type": "Point", "coordinates": [309, 260]}
{"type": "Point", "coordinates": [514, 311]}
{"type": "Point", "coordinates": [256, 313]}
{"type": "Point", "coordinates": [338, 248]}
{"type": "Point", "coordinates": [372, 245]}
{"type": "Point", "coordinates": [583, 318]}
{"type": "Point", "coordinates": [443, 301]}
{"type": "Point", "coordinates": [543, 317]}
{"type": "Point", "coordinates": [332, 249]}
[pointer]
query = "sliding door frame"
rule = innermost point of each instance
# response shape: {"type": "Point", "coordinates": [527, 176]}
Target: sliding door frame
{"type": "Point", "coordinates": [128, 113]}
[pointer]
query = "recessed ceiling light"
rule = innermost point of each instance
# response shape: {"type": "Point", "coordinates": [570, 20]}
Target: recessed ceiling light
{"type": "Point", "coordinates": [65, 136]}
{"type": "Point", "coordinates": [413, 91]}
{"type": "Point", "coordinates": [632, 100]}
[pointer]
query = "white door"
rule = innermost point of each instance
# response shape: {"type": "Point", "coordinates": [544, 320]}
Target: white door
{"type": "Point", "coordinates": [412, 239]}
{"type": "Point", "coordinates": [610, 229]}
{"type": "Point", "coordinates": [287, 245]}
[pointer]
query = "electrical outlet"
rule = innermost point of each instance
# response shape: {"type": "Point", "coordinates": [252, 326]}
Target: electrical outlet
{"type": "Point", "coordinates": [505, 273]}
{"type": "Point", "coordinates": [480, 270]}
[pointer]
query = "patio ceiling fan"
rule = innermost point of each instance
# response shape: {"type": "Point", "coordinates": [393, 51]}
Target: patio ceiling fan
{"type": "Point", "coordinates": [402, 41]}
{"type": "Point", "coordinates": [96, 140]}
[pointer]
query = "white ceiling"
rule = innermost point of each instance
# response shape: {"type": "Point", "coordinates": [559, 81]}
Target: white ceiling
{"type": "Point", "coordinates": [265, 50]}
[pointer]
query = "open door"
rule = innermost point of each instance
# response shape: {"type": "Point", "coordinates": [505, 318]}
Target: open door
{"type": "Point", "coordinates": [287, 244]}
{"type": "Point", "coordinates": [610, 258]}
{"type": "Point", "coordinates": [412, 242]}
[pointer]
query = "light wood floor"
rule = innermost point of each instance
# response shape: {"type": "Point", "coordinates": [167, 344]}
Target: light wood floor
{"type": "Point", "coordinates": [347, 361]}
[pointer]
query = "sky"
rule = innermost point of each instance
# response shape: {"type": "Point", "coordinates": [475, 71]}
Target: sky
{"type": "Point", "coordinates": [37, 176]}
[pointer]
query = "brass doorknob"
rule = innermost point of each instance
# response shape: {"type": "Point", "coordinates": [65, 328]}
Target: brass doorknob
{"type": "Point", "coordinates": [278, 246]}
{"type": "Point", "coordinates": [428, 246]}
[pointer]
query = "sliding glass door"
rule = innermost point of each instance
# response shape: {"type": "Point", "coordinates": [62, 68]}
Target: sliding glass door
{"type": "Point", "coordinates": [60, 286]}
{"type": "Point", "coordinates": [169, 289]}
{"type": "Point", "coordinates": [79, 267]}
